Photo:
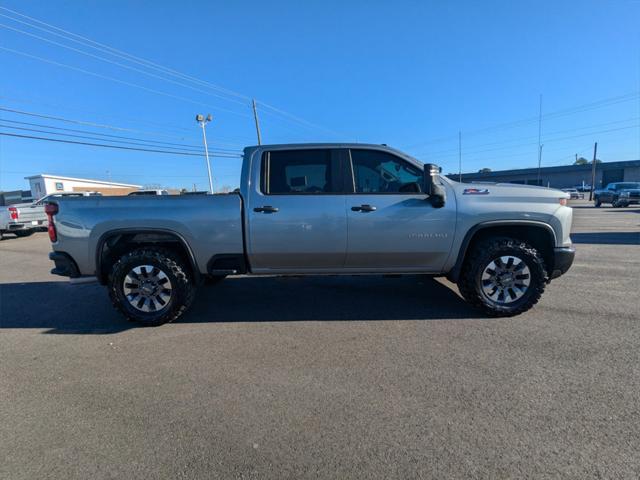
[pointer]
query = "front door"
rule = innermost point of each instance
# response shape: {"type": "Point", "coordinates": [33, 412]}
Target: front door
{"type": "Point", "coordinates": [297, 220]}
{"type": "Point", "coordinates": [391, 225]}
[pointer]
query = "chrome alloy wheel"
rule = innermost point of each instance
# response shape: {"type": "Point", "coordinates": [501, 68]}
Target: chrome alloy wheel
{"type": "Point", "coordinates": [147, 288]}
{"type": "Point", "coordinates": [505, 279]}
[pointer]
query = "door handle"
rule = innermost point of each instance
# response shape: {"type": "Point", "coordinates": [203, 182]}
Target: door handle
{"type": "Point", "coordinates": [364, 208]}
{"type": "Point", "coordinates": [266, 209]}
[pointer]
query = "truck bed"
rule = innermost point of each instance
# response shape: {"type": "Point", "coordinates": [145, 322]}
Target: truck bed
{"type": "Point", "coordinates": [208, 224]}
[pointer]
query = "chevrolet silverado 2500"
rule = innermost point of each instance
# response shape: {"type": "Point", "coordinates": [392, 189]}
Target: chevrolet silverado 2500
{"type": "Point", "coordinates": [318, 209]}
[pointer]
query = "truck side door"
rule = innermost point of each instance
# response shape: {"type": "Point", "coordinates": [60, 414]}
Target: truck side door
{"type": "Point", "coordinates": [296, 212]}
{"type": "Point", "coordinates": [391, 225]}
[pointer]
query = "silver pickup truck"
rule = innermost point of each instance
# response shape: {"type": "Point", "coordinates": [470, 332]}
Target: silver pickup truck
{"type": "Point", "coordinates": [318, 209]}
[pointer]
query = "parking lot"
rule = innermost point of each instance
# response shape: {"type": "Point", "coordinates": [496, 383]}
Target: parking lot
{"type": "Point", "coordinates": [327, 377]}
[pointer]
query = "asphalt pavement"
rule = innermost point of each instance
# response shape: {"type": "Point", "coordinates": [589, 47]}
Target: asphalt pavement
{"type": "Point", "coordinates": [327, 377]}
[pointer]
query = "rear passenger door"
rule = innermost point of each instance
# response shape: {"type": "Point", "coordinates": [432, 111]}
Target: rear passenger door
{"type": "Point", "coordinates": [391, 225]}
{"type": "Point", "coordinates": [297, 219]}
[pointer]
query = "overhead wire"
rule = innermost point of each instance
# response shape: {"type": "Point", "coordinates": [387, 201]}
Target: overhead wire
{"type": "Point", "coordinates": [117, 80]}
{"type": "Point", "coordinates": [78, 122]}
{"type": "Point", "coordinates": [119, 137]}
{"type": "Point", "coordinates": [119, 147]}
{"type": "Point", "coordinates": [87, 42]}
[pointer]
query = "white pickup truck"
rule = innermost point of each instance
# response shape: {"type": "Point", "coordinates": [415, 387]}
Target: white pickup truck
{"type": "Point", "coordinates": [318, 209]}
{"type": "Point", "coordinates": [23, 219]}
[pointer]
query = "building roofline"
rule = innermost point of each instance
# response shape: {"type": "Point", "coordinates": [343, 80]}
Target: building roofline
{"type": "Point", "coordinates": [102, 182]}
{"type": "Point", "coordinates": [560, 168]}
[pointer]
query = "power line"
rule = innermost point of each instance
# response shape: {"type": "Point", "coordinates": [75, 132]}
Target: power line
{"type": "Point", "coordinates": [600, 132]}
{"type": "Point", "coordinates": [170, 132]}
{"type": "Point", "coordinates": [556, 114]}
{"type": "Point", "coordinates": [450, 151]}
{"type": "Point", "coordinates": [59, 140]}
{"type": "Point", "coordinates": [151, 143]}
{"type": "Point", "coordinates": [117, 80]}
{"type": "Point", "coordinates": [82, 122]}
{"type": "Point", "coordinates": [119, 64]}
{"type": "Point", "coordinates": [87, 42]}
{"type": "Point", "coordinates": [115, 52]}
{"type": "Point", "coordinates": [85, 137]}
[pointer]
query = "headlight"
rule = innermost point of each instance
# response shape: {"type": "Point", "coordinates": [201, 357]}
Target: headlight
{"type": "Point", "coordinates": [625, 194]}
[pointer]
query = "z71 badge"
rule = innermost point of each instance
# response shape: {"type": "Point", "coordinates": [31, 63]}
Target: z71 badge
{"type": "Point", "coordinates": [476, 191]}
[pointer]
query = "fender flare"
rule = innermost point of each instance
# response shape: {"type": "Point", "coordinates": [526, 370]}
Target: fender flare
{"type": "Point", "coordinates": [128, 231]}
{"type": "Point", "coordinates": [454, 273]}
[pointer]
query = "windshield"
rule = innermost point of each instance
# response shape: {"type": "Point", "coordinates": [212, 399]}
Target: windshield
{"type": "Point", "coordinates": [625, 186]}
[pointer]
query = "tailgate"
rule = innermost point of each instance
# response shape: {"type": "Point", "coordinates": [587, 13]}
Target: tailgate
{"type": "Point", "coordinates": [28, 214]}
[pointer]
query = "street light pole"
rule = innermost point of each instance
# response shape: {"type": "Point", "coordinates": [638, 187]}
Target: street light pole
{"type": "Point", "coordinates": [203, 121]}
{"type": "Point", "coordinates": [539, 180]}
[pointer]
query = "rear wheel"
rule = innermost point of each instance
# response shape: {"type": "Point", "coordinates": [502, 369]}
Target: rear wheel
{"type": "Point", "coordinates": [503, 277]}
{"type": "Point", "coordinates": [151, 286]}
{"type": "Point", "coordinates": [23, 233]}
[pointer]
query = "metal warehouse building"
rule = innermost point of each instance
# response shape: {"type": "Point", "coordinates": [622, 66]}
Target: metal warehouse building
{"type": "Point", "coordinates": [562, 177]}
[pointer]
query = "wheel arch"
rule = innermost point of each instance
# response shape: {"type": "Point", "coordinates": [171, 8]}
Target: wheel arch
{"type": "Point", "coordinates": [540, 235]}
{"type": "Point", "coordinates": [113, 244]}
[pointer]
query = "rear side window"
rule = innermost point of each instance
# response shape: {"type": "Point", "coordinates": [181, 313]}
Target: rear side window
{"type": "Point", "coordinates": [297, 172]}
{"type": "Point", "coordinates": [380, 172]}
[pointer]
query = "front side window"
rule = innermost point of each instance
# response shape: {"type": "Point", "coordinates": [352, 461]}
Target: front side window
{"type": "Point", "coordinates": [297, 172]}
{"type": "Point", "coordinates": [380, 172]}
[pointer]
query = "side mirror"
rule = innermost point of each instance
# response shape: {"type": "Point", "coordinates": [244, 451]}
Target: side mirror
{"type": "Point", "coordinates": [431, 187]}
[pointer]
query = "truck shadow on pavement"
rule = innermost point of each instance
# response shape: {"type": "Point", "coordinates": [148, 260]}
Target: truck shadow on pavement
{"type": "Point", "coordinates": [61, 308]}
{"type": "Point", "coordinates": [607, 238]}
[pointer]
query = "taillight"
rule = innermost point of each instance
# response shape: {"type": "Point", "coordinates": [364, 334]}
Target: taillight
{"type": "Point", "coordinates": [13, 213]}
{"type": "Point", "coordinates": [51, 209]}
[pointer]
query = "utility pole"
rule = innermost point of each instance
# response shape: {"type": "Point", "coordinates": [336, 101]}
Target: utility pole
{"type": "Point", "coordinates": [255, 118]}
{"type": "Point", "coordinates": [203, 121]}
{"type": "Point", "coordinates": [539, 139]}
{"type": "Point", "coordinates": [593, 171]}
{"type": "Point", "coordinates": [576, 159]}
{"type": "Point", "coordinates": [460, 156]}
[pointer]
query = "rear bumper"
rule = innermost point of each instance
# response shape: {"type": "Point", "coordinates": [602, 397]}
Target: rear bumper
{"type": "Point", "coordinates": [562, 260]}
{"type": "Point", "coordinates": [65, 265]}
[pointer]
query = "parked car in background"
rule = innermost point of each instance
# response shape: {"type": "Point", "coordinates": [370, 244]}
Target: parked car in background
{"type": "Point", "coordinates": [148, 192]}
{"type": "Point", "coordinates": [574, 193]}
{"type": "Point", "coordinates": [583, 188]}
{"type": "Point", "coordinates": [618, 194]}
{"type": "Point", "coordinates": [23, 219]}
{"type": "Point", "coordinates": [318, 209]}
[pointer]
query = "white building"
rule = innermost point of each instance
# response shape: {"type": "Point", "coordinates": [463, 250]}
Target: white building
{"type": "Point", "coordinates": [44, 184]}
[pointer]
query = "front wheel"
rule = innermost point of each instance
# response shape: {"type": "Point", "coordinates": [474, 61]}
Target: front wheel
{"type": "Point", "coordinates": [151, 286]}
{"type": "Point", "coordinates": [503, 277]}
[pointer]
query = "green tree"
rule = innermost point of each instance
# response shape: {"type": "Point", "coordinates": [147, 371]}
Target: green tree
{"type": "Point", "coordinates": [484, 170]}
{"type": "Point", "coordinates": [584, 161]}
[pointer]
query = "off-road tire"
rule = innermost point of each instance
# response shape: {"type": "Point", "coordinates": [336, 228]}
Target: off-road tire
{"type": "Point", "coordinates": [23, 233]}
{"type": "Point", "coordinates": [470, 283]}
{"type": "Point", "coordinates": [183, 287]}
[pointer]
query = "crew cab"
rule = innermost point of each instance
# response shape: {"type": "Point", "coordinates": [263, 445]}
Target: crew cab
{"type": "Point", "coordinates": [318, 209]}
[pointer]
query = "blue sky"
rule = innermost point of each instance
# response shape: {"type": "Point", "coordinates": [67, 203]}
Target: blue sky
{"type": "Point", "coordinates": [409, 74]}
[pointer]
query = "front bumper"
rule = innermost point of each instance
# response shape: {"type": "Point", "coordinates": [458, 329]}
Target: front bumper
{"type": "Point", "coordinates": [65, 265]}
{"type": "Point", "coordinates": [562, 260]}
